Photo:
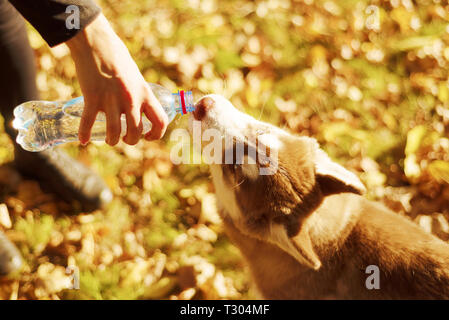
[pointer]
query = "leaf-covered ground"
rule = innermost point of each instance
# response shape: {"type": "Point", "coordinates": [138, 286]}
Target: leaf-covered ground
{"type": "Point", "coordinates": [368, 79]}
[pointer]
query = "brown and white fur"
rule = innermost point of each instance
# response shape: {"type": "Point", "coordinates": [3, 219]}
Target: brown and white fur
{"type": "Point", "coordinates": [306, 231]}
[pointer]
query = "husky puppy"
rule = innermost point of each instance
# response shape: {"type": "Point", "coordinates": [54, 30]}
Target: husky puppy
{"type": "Point", "coordinates": [303, 225]}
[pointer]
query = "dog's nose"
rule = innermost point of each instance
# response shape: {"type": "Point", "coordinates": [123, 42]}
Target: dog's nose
{"type": "Point", "coordinates": [202, 107]}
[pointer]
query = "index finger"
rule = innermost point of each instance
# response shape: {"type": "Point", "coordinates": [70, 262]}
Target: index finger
{"type": "Point", "coordinates": [157, 116]}
{"type": "Point", "coordinates": [88, 118]}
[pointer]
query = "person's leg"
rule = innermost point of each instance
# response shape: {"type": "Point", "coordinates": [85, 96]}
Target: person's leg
{"type": "Point", "coordinates": [53, 168]}
{"type": "Point", "coordinates": [18, 73]}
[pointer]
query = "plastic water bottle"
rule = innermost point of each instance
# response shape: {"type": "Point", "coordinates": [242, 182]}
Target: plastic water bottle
{"type": "Point", "coordinates": [42, 124]}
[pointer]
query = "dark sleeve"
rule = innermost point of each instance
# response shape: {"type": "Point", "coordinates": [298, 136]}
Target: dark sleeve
{"type": "Point", "coordinates": [49, 17]}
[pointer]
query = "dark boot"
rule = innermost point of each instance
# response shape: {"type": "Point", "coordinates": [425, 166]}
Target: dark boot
{"type": "Point", "coordinates": [10, 259]}
{"type": "Point", "coordinates": [66, 177]}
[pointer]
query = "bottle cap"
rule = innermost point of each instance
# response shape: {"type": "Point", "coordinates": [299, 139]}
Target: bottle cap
{"type": "Point", "coordinates": [183, 102]}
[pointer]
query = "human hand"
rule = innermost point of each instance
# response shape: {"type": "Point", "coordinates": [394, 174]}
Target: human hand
{"type": "Point", "coordinates": [111, 82]}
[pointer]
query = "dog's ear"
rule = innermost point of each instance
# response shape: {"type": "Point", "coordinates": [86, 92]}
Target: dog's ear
{"type": "Point", "coordinates": [333, 178]}
{"type": "Point", "coordinates": [298, 246]}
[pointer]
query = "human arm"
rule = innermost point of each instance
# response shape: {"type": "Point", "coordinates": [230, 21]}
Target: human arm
{"type": "Point", "coordinates": [108, 76]}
